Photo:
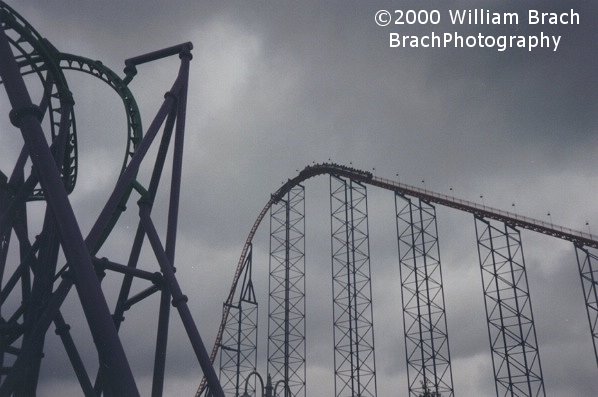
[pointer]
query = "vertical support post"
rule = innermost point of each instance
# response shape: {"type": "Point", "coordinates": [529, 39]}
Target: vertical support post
{"type": "Point", "coordinates": [586, 260]}
{"type": "Point", "coordinates": [353, 327]}
{"type": "Point", "coordinates": [286, 304]}
{"type": "Point", "coordinates": [5, 235]}
{"type": "Point", "coordinates": [173, 216]}
{"type": "Point", "coordinates": [179, 300]}
{"type": "Point", "coordinates": [424, 316]}
{"type": "Point", "coordinates": [511, 330]}
{"type": "Point", "coordinates": [161, 341]}
{"type": "Point", "coordinates": [238, 352]}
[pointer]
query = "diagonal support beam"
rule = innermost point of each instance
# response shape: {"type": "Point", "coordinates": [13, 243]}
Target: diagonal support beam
{"type": "Point", "coordinates": [179, 301]}
{"type": "Point", "coordinates": [111, 352]}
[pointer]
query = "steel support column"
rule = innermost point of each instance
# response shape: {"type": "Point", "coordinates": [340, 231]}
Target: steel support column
{"type": "Point", "coordinates": [424, 316]}
{"type": "Point", "coordinates": [238, 352]}
{"type": "Point", "coordinates": [110, 350]}
{"type": "Point", "coordinates": [511, 330]}
{"type": "Point", "coordinates": [54, 167]}
{"type": "Point", "coordinates": [286, 303]}
{"type": "Point", "coordinates": [587, 260]}
{"type": "Point", "coordinates": [354, 358]}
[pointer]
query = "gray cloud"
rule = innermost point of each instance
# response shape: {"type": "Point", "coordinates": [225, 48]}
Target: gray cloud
{"type": "Point", "coordinates": [277, 86]}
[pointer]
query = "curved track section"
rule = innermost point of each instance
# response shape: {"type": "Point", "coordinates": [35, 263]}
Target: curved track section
{"type": "Point", "coordinates": [37, 56]}
{"type": "Point", "coordinates": [100, 71]}
{"type": "Point", "coordinates": [482, 211]}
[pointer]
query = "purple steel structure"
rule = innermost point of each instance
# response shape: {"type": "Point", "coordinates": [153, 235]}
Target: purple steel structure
{"type": "Point", "coordinates": [35, 287]}
{"type": "Point", "coordinates": [44, 286]}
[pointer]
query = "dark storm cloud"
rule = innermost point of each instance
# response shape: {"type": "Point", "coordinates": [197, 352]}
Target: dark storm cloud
{"type": "Point", "coordinates": [277, 85]}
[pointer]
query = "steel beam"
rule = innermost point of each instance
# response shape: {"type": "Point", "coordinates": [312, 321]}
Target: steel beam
{"type": "Point", "coordinates": [354, 357]}
{"type": "Point", "coordinates": [424, 317]}
{"type": "Point", "coordinates": [238, 353]}
{"type": "Point", "coordinates": [54, 167]}
{"type": "Point", "coordinates": [286, 303]}
{"type": "Point", "coordinates": [111, 353]}
{"type": "Point", "coordinates": [179, 301]}
{"type": "Point", "coordinates": [511, 330]}
{"type": "Point", "coordinates": [587, 262]}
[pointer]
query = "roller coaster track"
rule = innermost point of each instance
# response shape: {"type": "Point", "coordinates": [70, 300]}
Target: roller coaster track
{"type": "Point", "coordinates": [134, 126]}
{"type": "Point", "coordinates": [25, 52]}
{"type": "Point", "coordinates": [105, 74]}
{"type": "Point", "coordinates": [39, 56]}
{"type": "Point", "coordinates": [35, 55]}
{"type": "Point", "coordinates": [481, 211]}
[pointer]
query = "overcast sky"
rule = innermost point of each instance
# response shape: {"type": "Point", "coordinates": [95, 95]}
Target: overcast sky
{"type": "Point", "coordinates": [276, 85]}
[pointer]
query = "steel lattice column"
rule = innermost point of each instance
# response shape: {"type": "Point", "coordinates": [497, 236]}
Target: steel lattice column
{"type": "Point", "coordinates": [513, 342]}
{"type": "Point", "coordinates": [286, 305]}
{"type": "Point", "coordinates": [354, 358]}
{"type": "Point", "coordinates": [424, 317]}
{"type": "Point", "coordinates": [586, 261]}
{"type": "Point", "coordinates": [238, 353]}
